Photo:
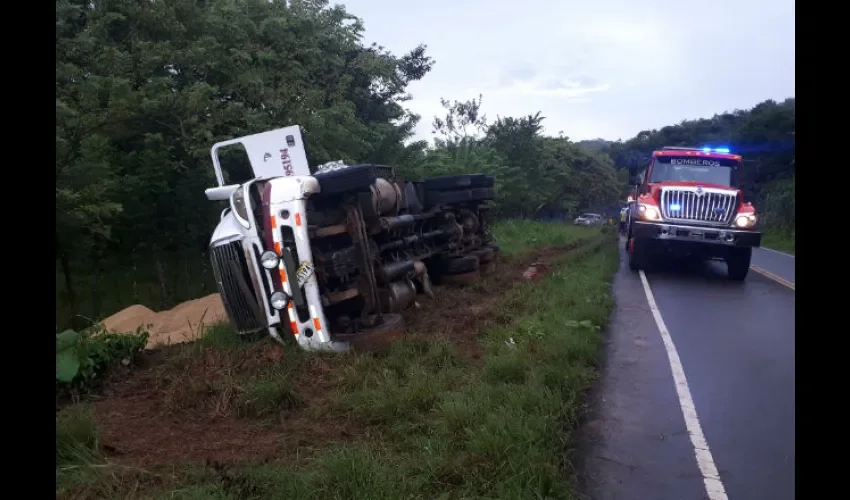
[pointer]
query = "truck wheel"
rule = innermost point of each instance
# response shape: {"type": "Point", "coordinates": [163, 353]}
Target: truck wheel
{"type": "Point", "coordinates": [488, 268]}
{"type": "Point", "coordinates": [378, 337]}
{"type": "Point", "coordinates": [738, 263]}
{"type": "Point", "coordinates": [637, 254]}
{"type": "Point", "coordinates": [459, 181]}
{"type": "Point", "coordinates": [484, 255]}
{"type": "Point", "coordinates": [460, 265]}
{"type": "Point", "coordinates": [486, 259]}
{"type": "Point", "coordinates": [434, 198]}
{"type": "Point", "coordinates": [353, 178]}
{"type": "Point", "coordinates": [461, 279]}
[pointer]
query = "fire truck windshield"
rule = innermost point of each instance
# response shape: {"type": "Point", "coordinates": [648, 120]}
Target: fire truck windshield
{"type": "Point", "coordinates": [690, 169]}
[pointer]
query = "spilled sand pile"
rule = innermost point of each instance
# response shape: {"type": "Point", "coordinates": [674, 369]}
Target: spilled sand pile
{"type": "Point", "coordinates": [183, 323]}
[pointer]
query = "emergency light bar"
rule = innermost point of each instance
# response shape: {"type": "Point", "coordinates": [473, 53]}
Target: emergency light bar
{"type": "Point", "coordinates": [704, 150]}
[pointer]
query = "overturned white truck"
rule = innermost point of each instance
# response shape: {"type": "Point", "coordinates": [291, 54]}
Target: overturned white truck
{"type": "Point", "coordinates": [331, 258]}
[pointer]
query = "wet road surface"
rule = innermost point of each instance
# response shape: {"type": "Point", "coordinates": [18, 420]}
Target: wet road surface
{"type": "Point", "coordinates": [735, 343]}
{"type": "Point", "coordinates": [776, 263]}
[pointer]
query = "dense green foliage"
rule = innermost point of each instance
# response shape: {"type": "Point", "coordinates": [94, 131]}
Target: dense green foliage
{"type": "Point", "coordinates": [82, 357]}
{"type": "Point", "coordinates": [143, 89]}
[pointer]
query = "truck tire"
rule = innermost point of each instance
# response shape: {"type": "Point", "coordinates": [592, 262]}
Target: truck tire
{"type": "Point", "coordinates": [354, 178]}
{"type": "Point", "coordinates": [738, 263]}
{"type": "Point", "coordinates": [434, 198]}
{"type": "Point", "coordinates": [459, 181]}
{"type": "Point", "coordinates": [488, 267]}
{"type": "Point", "coordinates": [461, 265]}
{"type": "Point", "coordinates": [461, 279]}
{"type": "Point", "coordinates": [485, 254]}
{"type": "Point", "coordinates": [638, 251]}
{"type": "Point", "coordinates": [378, 337]}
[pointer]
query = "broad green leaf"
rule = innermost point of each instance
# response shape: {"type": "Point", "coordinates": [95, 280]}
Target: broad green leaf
{"type": "Point", "coordinates": [66, 339]}
{"type": "Point", "coordinates": [67, 365]}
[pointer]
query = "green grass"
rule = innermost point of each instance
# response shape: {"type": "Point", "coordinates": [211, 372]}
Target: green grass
{"type": "Point", "coordinates": [514, 236]}
{"type": "Point", "coordinates": [76, 435]}
{"type": "Point", "coordinates": [438, 426]}
{"type": "Point", "coordinates": [777, 239]}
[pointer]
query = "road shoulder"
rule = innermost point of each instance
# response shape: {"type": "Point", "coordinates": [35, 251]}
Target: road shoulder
{"type": "Point", "coordinates": [634, 443]}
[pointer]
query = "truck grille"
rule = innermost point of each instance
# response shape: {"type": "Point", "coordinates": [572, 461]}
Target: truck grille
{"type": "Point", "coordinates": [229, 265]}
{"type": "Point", "coordinates": [688, 205]}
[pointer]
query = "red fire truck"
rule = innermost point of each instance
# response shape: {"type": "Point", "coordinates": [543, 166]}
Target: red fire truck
{"type": "Point", "coordinates": [688, 203]}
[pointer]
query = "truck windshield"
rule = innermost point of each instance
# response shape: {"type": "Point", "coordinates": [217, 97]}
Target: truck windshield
{"type": "Point", "coordinates": [690, 169]}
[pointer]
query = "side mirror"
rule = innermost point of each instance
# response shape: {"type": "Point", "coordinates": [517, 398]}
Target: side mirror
{"type": "Point", "coordinates": [634, 172]}
{"type": "Point", "coordinates": [221, 193]}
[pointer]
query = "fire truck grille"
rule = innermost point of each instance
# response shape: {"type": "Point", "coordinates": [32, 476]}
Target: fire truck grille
{"type": "Point", "coordinates": [235, 286]}
{"type": "Point", "coordinates": [688, 205]}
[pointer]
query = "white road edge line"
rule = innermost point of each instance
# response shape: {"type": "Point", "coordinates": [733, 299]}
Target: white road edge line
{"type": "Point", "coordinates": [710, 477]}
{"type": "Point", "coordinates": [777, 251]}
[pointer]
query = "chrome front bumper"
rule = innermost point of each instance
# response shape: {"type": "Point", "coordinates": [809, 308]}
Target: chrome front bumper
{"type": "Point", "coordinates": [696, 234]}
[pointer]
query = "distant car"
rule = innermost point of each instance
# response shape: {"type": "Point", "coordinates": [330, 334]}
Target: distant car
{"type": "Point", "coordinates": [589, 220]}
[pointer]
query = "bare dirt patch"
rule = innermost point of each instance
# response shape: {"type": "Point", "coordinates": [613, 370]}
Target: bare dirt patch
{"type": "Point", "coordinates": [183, 406]}
{"type": "Point", "coordinates": [181, 402]}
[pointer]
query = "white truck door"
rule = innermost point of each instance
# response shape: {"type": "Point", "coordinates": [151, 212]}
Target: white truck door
{"type": "Point", "coordinates": [276, 153]}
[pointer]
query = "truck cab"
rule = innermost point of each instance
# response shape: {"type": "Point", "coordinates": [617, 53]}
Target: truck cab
{"type": "Point", "coordinates": [688, 203]}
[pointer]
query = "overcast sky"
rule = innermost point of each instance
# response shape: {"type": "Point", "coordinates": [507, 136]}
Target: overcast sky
{"type": "Point", "coordinates": [594, 68]}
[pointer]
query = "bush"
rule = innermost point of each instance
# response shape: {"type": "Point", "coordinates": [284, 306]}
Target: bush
{"type": "Point", "coordinates": [81, 357]}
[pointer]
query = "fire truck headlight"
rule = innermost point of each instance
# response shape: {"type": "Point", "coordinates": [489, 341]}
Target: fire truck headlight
{"type": "Point", "coordinates": [269, 260]}
{"type": "Point", "coordinates": [744, 221]}
{"type": "Point", "coordinates": [279, 300]}
{"type": "Point", "coordinates": [648, 212]}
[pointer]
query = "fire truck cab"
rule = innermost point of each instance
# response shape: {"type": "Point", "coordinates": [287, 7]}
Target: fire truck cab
{"type": "Point", "coordinates": [688, 203]}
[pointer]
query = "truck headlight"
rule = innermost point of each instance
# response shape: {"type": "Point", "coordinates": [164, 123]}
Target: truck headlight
{"type": "Point", "coordinates": [240, 207]}
{"type": "Point", "coordinates": [648, 212]}
{"type": "Point", "coordinates": [279, 300]}
{"type": "Point", "coordinates": [269, 260]}
{"type": "Point", "coordinates": [744, 221]}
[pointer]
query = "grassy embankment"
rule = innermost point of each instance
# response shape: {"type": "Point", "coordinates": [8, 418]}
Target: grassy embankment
{"type": "Point", "coordinates": [433, 421]}
{"type": "Point", "coordinates": [778, 240]}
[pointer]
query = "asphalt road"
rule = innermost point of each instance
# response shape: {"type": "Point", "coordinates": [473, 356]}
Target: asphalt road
{"type": "Point", "coordinates": [735, 345]}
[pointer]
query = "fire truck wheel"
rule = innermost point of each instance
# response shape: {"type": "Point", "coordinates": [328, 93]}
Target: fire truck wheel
{"type": "Point", "coordinates": [738, 263]}
{"type": "Point", "coordinates": [637, 253]}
